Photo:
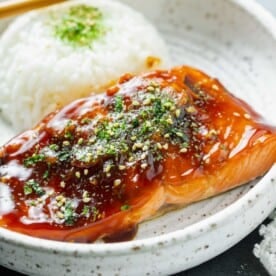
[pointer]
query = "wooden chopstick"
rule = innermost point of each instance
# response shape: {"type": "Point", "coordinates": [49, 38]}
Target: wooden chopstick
{"type": "Point", "coordinates": [16, 7]}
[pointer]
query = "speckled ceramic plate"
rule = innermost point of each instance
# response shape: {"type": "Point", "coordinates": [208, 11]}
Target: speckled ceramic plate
{"type": "Point", "coordinates": [236, 42]}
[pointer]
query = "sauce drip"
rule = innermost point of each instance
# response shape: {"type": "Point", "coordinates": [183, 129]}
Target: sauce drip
{"type": "Point", "coordinates": [91, 170]}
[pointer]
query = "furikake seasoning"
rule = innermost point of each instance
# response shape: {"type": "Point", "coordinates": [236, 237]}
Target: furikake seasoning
{"type": "Point", "coordinates": [79, 25]}
{"type": "Point", "coordinates": [93, 156]}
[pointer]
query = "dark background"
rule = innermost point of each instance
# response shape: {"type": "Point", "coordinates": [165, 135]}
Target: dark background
{"type": "Point", "coordinates": [239, 260]}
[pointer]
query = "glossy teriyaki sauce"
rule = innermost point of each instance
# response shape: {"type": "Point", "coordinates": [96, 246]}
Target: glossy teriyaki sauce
{"type": "Point", "coordinates": [86, 171]}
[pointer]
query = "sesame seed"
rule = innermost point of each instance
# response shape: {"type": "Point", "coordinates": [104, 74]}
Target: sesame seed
{"type": "Point", "coordinates": [147, 101]}
{"type": "Point", "coordinates": [236, 114]}
{"type": "Point", "coordinates": [167, 135]}
{"type": "Point", "coordinates": [77, 174]}
{"type": "Point", "coordinates": [166, 146]}
{"type": "Point", "coordinates": [150, 88]}
{"type": "Point", "coordinates": [85, 194]}
{"type": "Point", "coordinates": [215, 87]}
{"type": "Point", "coordinates": [66, 143]}
{"type": "Point", "coordinates": [107, 168]}
{"type": "Point", "coordinates": [85, 172]}
{"type": "Point", "coordinates": [80, 141]}
{"type": "Point", "coordinates": [50, 193]}
{"type": "Point", "coordinates": [144, 165]}
{"type": "Point", "coordinates": [148, 123]}
{"type": "Point", "coordinates": [86, 199]}
{"type": "Point", "coordinates": [39, 200]}
{"type": "Point", "coordinates": [145, 148]}
{"type": "Point", "coordinates": [92, 140]}
{"type": "Point", "coordinates": [59, 197]}
{"type": "Point", "coordinates": [177, 112]}
{"type": "Point", "coordinates": [147, 142]}
{"type": "Point", "coordinates": [154, 84]}
{"type": "Point", "coordinates": [60, 215]}
{"type": "Point", "coordinates": [144, 155]}
{"type": "Point", "coordinates": [172, 108]}
{"type": "Point", "coordinates": [168, 104]}
{"type": "Point", "coordinates": [59, 204]}
{"type": "Point", "coordinates": [122, 167]}
{"type": "Point", "coordinates": [62, 184]}
{"type": "Point", "coordinates": [117, 182]}
{"type": "Point", "coordinates": [183, 150]}
{"type": "Point", "coordinates": [159, 146]}
{"type": "Point", "coordinates": [247, 116]}
{"type": "Point", "coordinates": [88, 157]}
{"type": "Point", "coordinates": [138, 145]}
{"type": "Point", "coordinates": [169, 121]}
{"type": "Point", "coordinates": [190, 109]}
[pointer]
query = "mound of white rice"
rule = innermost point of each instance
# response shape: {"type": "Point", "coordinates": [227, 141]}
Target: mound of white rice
{"type": "Point", "coordinates": [40, 72]}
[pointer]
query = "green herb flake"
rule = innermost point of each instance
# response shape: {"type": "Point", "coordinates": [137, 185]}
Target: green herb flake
{"type": "Point", "coordinates": [35, 158]}
{"type": "Point", "coordinates": [33, 203]}
{"type": "Point", "coordinates": [64, 155]}
{"type": "Point", "coordinates": [80, 25]}
{"type": "Point", "coordinates": [85, 211]}
{"type": "Point", "coordinates": [68, 135]}
{"type": "Point", "coordinates": [69, 214]}
{"type": "Point", "coordinates": [95, 213]}
{"type": "Point", "coordinates": [46, 174]}
{"type": "Point", "coordinates": [158, 109]}
{"type": "Point", "coordinates": [135, 122]}
{"type": "Point", "coordinates": [53, 147]}
{"type": "Point", "coordinates": [118, 106]}
{"type": "Point", "coordinates": [33, 186]}
{"type": "Point", "coordinates": [85, 121]}
{"type": "Point", "coordinates": [110, 150]}
{"type": "Point", "coordinates": [125, 207]}
{"type": "Point", "coordinates": [27, 189]}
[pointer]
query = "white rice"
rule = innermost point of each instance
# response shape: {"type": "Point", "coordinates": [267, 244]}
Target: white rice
{"type": "Point", "coordinates": [39, 72]}
{"type": "Point", "coordinates": [266, 250]}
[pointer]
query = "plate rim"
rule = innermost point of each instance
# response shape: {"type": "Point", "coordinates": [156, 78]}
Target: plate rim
{"type": "Point", "coordinates": [266, 19]}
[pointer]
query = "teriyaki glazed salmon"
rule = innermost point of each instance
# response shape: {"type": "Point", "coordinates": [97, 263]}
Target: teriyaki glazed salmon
{"type": "Point", "coordinates": [101, 165]}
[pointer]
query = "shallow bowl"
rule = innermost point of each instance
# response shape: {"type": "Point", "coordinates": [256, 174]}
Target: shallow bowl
{"type": "Point", "coordinates": [236, 42]}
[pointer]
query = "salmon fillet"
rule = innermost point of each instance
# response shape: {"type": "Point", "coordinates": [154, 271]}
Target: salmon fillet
{"type": "Point", "coordinates": [101, 165]}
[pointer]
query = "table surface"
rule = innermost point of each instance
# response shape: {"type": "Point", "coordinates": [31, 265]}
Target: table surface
{"type": "Point", "coordinates": [239, 260]}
